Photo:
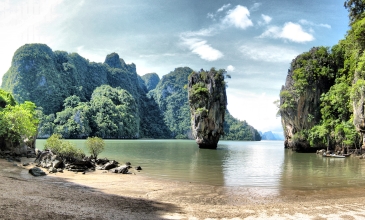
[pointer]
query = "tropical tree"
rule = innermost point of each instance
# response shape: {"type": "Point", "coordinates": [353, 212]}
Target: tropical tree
{"type": "Point", "coordinates": [62, 148]}
{"type": "Point", "coordinates": [95, 146]}
{"type": "Point", "coordinates": [355, 8]}
{"type": "Point", "coordinates": [18, 122]}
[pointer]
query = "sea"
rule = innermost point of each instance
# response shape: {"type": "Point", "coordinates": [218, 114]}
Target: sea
{"type": "Point", "coordinates": [257, 164]}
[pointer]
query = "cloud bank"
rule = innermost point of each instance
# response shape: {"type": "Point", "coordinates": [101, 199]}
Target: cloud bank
{"type": "Point", "coordinates": [238, 17]}
{"type": "Point", "coordinates": [201, 48]}
{"type": "Point", "coordinates": [290, 31]}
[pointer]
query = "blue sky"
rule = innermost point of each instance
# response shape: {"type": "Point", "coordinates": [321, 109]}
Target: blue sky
{"type": "Point", "coordinates": [254, 41]}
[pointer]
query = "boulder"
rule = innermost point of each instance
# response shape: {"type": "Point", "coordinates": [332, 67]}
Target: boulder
{"type": "Point", "coordinates": [35, 171]}
{"type": "Point", "coordinates": [101, 161]}
{"type": "Point", "coordinates": [83, 163]}
{"type": "Point", "coordinates": [122, 169]}
{"type": "Point", "coordinates": [110, 165]}
{"type": "Point", "coordinates": [58, 164]}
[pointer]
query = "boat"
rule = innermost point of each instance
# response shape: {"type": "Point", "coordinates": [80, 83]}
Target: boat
{"type": "Point", "coordinates": [333, 155]}
{"type": "Point", "coordinates": [337, 156]}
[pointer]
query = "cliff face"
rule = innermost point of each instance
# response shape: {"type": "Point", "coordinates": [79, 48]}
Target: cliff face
{"type": "Point", "coordinates": [300, 98]}
{"type": "Point", "coordinates": [208, 101]}
{"type": "Point", "coordinates": [358, 103]}
{"type": "Point", "coordinates": [172, 99]}
{"type": "Point", "coordinates": [48, 77]}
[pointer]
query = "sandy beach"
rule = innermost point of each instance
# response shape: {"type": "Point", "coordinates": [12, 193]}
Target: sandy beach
{"type": "Point", "coordinates": [103, 195]}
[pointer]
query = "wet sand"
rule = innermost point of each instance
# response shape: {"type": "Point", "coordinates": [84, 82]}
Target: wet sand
{"type": "Point", "coordinates": [100, 195]}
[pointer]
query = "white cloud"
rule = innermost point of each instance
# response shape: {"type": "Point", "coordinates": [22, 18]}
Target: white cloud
{"type": "Point", "coordinates": [211, 16]}
{"type": "Point", "coordinates": [93, 55]}
{"type": "Point", "coordinates": [290, 31]}
{"type": "Point", "coordinates": [224, 7]}
{"type": "Point", "coordinates": [305, 22]}
{"type": "Point", "coordinates": [230, 68]}
{"type": "Point", "coordinates": [255, 6]}
{"type": "Point", "coordinates": [268, 53]}
{"type": "Point", "coordinates": [201, 48]}
{"type": "Point", "coordinates": [205, 32]}
{"type": "Point", "coordinates": [238, 17]}
{"type": "Point", "coordinates": [266, 18]}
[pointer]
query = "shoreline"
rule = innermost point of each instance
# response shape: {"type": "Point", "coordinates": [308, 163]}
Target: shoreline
{"type": "Point", "coordinates": [100, 195]}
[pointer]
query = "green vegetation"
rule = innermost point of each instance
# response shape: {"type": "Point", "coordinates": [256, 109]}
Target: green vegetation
{"type": "Point", "coordinates": [328, 89]}
{"type": "Point", "coordinates": [62, 148]}
{"type": "Point", "coordinates": [77, 98]}
{"type": "Point", "coordinates": [18, 122]}
{"type": "Point", "coordinates": [48, 78]}
{"type": "Point", "coordinates": [235, 129]}
{"type": "Point", "coordinates": [150, 80]}
{"type": "Point", "coordinates": [111, 113]}
{"type": "Point", "coordinates": [172, 99]}
{"type": "Point", "coordinates": [95, 146]}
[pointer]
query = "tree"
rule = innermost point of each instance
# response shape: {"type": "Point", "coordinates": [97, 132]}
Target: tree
{"type": "Point", "coordinates": [95, 146]}
{"type": "Point", "coordinates": [355, 8]}
{"type": "Point", "coordinates": [62, 148]}
{"type": "Point", "coordinates": [18, 122]}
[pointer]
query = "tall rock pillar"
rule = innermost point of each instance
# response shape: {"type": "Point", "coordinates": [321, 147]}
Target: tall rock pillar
{"type": "Point", "coordinates": [208, 102]}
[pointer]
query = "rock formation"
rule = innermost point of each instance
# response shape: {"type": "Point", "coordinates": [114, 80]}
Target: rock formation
{"type": "Point", "coordinates": [358, 104]}
{"type": "Point", "coordinates": [300, 103]}
{"type": "Point", "coordinates": [208, 101]}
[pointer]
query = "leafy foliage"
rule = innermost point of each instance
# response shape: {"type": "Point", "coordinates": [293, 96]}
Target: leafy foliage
{"type": "Point", "coordinates": [337, 75]}
{"type": "Point", "coordinates": [63, 148]}
{"type": "Point", "coordinates": [235, 129]}
{"type": "Point", "coordinates": [150, 80]}
{"type": "Point", "coordinates": [356, 9]}
{"type": "Point", "coordinates": [17, 122]}
{"type": "Point", "coordinates": [95, 146]}
{"type": "Point", "coordinates": [62, 84]}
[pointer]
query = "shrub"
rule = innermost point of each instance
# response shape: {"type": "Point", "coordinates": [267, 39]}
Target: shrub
{"type": "Point", "coordinates": [95, 146]}
{"type": "Point", "coordinates": [63, 148]}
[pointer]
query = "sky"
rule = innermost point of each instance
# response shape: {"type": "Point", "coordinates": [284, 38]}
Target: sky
{"type": "Point", "coordinates": [254, 40]}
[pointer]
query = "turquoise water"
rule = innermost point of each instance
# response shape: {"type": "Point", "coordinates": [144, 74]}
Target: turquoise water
{"type": "Point", "coordinates": [235, 163]}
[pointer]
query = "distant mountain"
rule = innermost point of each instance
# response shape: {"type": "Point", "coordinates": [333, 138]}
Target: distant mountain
{"type": "Point", "coordinates": [48, 78]}
{"type": "Point", "coordinates": [271, 136]}
{"type": "Point", "coordinates": [150, 80]}
{"type": "Point", "coordinates": [172, 98]}
{"type": "Point", "coordinates": [80, 98]}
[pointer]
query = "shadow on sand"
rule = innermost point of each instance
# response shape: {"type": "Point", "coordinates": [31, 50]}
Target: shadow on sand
{"type": "Point", "coordinates": [56, 198]}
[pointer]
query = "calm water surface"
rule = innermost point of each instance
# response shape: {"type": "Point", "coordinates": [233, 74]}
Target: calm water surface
{"type": "Point", "coordinates": [235, 163]}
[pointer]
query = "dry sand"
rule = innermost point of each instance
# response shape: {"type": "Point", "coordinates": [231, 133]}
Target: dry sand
{"type": "Point", "coordinates": [99, 195]}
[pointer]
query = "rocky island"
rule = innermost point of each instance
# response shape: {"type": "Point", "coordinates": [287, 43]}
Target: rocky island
{"type": "Point", "coordinates": [208, 101]}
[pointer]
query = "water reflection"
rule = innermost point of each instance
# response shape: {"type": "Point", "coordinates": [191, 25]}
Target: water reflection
{"type": "Point", "coordinates": [311, 171]}
{"type": "Point", "coordinates": [253, 164]}
{"type": "Point", "coordinates": [237, 164]}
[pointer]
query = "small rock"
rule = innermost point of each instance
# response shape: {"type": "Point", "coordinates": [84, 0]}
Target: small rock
{"type": "Point", "coordinates": [138, 168]}
{"type": "Point", "coordinates": [25, 164]}
{"type": "Point", "coordinates": [35, 171]}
